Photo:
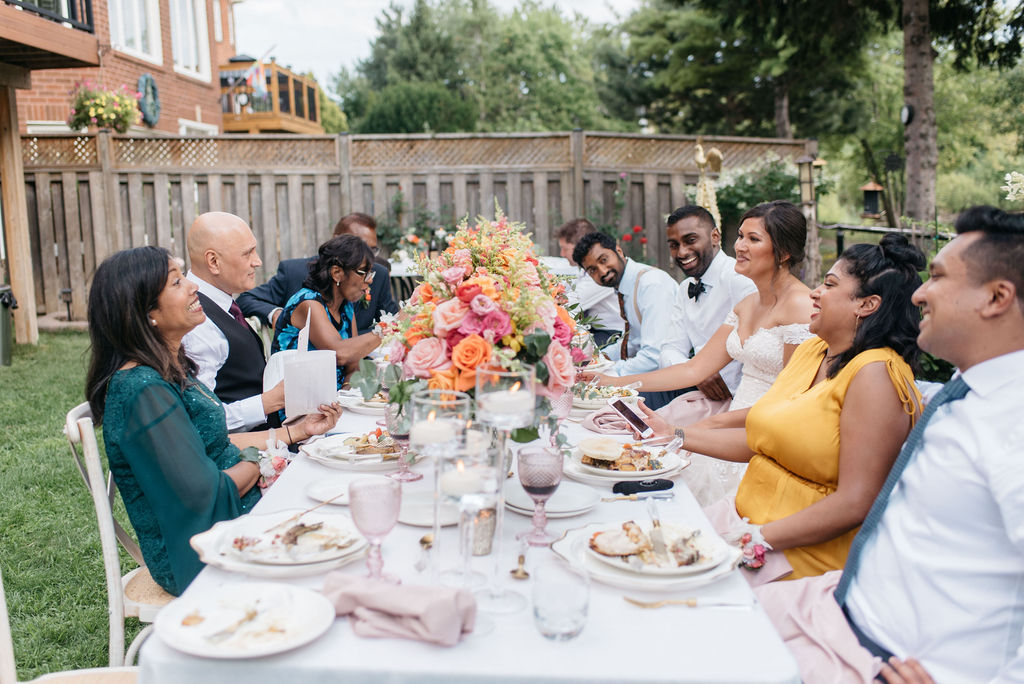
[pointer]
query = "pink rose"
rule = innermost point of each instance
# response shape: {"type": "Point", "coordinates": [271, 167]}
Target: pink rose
{"type": "Point", "coordinates": [578, 355]}
{"type": "Point", "coordinates": [498, 323]}
{"type": "Point", "coordinates": [562, 333]}
{"type": "Point", "coordinates": [454, 275]}
{"type": "Point", "coordinates": [530, 274]}
{"type": "Point", "coordinates": [428, 353]}
{"type": "Point", "coordinates": [396, 352]}
{"type": "Point", "coordinates": [463, 258]}
{"type": "Point", "coordinates": [448, 316]}
{"type": "Point", "coordinates": [561, 373]}
{"type": "Point", "coordinates": [547, 312]}
{"type": "Point", "coordinates": [454, 337]}
{"type": "Point", "coordinates": [482, 305]}
{"type": "Point", "coordinates": [472, 324]}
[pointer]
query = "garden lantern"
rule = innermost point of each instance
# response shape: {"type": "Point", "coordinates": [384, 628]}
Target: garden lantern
{"type": "Point", "coordinates": [872, 200]}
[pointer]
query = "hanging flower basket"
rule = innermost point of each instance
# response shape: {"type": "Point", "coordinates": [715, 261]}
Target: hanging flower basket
{"type": "Point", "coordinates": [94, 107]}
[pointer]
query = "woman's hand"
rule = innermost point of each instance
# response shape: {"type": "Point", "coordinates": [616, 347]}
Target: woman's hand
{"type": "Point", "coordinates": [657, 423]}
{"type": "Point", "coordinates": [603, 380]}
{"type": "Point", "coordinates": [319, 423]}
{"type": "Point", "coordinates": [907, 671]}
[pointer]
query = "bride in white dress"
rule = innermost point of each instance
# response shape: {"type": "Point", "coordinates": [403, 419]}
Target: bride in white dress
{"type": "Point", "coordinates": [761, 332]}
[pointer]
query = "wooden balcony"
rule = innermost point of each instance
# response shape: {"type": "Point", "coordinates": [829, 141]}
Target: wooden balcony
{"type": "Point", "coordinates": [34, 37]}
{"type": "Point", "coordinates": [287, 103]}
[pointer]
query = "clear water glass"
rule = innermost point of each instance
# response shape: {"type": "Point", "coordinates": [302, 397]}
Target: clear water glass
{"type": "Point", "coordinates": [561, 599]}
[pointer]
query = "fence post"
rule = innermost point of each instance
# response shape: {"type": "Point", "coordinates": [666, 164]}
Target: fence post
{"type": "Point", "coordinates": [576, 149]}
{"type": "Point", "coordinates": [343, 157]}
{"type": "Point", "coordinates": [111, 206]}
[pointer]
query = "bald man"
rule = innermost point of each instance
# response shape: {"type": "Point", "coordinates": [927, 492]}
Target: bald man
{"type": "Point", "coordinates": [223, 256]}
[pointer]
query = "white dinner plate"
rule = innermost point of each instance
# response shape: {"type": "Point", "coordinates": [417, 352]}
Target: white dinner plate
{"type": "Point", "coordinates": [333, 453]}
{"type": "Point", "coordinates": [334, 539]}
{"type": "Point", "coordinates": [597, 366]}
{"type": "Point", "coordinates": [209, 546]}
{"type": "Point", "coordinates": [360, 406]}
{"type": "Point", "coordinates": [333, 490]}
{"type": "Point", "coordinates": [709, 543]}
{"type": "Point", "coordinates": [573, 545]}
{"type": "Point", "coordinates": [669, 462]}
{"type": "Point", "coordinates": [598, 403]}
{"type": "Point", "coordinates": [213, 624]}
{"type": "Point", "coordinates": [418, 510]}
{"type": "Point", "coordinates": [568, 500]}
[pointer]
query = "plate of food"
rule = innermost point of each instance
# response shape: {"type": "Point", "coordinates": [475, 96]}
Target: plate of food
{"type": "Point", "coordinates": [605, 457]}
{"type": "Point", "coordinates": [370, 451]}
{"type": "Point", "coordinates": [374, 406]}
{"type": "Point", "coordinates": [689, 550]}
{"type": "Point", "coordinates": [244, 620]}
{"type": "Point", "coordinates": [217, 545]}
{"type": "Point", "coordinates": [592, 397]}
{"type": "Point", "coordinates": [574, 548]}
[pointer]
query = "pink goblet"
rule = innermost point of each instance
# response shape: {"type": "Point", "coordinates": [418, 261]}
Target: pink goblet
{"type": "Point", "coordinates": [374, 503]}
{"type": "Point", "coordinates": [540, 472]}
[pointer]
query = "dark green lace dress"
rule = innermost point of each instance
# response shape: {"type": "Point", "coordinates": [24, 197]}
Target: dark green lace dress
{"type": "Point", "coordinates": [167, 450]}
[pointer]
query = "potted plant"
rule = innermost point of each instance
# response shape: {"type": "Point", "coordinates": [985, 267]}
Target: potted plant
{"type": "Point", "coordinates": [93, 106]}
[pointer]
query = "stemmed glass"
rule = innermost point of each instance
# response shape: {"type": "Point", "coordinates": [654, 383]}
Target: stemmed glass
{"type": "Point", "coordinates": [505, 400]}
{"type": "Point", "coordinates": [398, 420]}
{"type": "Point", "coordinates": [439, 420]}
{"type": "Point", "coordinates": [374, 503]}
{"type": "Point", "coordinates": [540, 472]}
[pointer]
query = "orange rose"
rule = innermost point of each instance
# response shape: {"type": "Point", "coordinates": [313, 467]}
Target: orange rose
{"type": "Point", "coordinates": [423, 293]}
{"type": "Point", "coordinates": [442, 379]}
{"type": "Point", "coordinates": [466, 381]}
{"type": "Point", "coordinates": [470, 352]}
{"type": "Point", "coordinates": [566, 318]}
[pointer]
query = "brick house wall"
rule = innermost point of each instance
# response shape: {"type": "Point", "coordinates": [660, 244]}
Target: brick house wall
{"type": "Point", "coordinates": [181, 96]}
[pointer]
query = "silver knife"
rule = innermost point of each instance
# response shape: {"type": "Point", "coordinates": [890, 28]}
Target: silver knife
{"type": "Point", "coordinates": [657, 537]}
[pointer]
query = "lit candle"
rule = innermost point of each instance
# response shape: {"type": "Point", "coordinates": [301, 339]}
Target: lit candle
{"type": "Point", "coordinates": [459, 481]}
{"type": "Point", "coordinates": [507, 402]}
{"type": "Point", "coordinates": [431, 431]}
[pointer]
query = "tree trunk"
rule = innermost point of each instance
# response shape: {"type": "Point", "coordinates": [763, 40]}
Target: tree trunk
{"type": "Point", "coordinates": [783, 129]}
{"type": "Point", "coordinates": [920, 136]}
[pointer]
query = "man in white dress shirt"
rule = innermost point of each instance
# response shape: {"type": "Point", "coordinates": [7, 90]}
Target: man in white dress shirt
{"type": "Point", "coordinates": [597, 302]}
{"type": "Point", "coordinates": [711, 290]}
{"type": "Point", "coordinates": [938, 581]}
{"type": "Point", "coordinates": [645, 296]}
{"type": "Point", "coordinates": [222, 251]}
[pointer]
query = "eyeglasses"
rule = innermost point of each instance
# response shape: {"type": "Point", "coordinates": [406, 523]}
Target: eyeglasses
{"type": "Point", "coordinates": [366, 274]}
{"type": "Point", "coordinates": [375, 251]}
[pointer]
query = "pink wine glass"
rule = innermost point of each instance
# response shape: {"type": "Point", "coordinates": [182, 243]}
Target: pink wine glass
{"type": "Point", "coordinates": [540, 472]}
{"type": "Point", "coordinates": [374, 503]}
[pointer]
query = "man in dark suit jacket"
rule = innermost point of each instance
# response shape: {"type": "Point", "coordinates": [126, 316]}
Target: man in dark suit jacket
{"type": "Point", "coordinates": [267, 300]}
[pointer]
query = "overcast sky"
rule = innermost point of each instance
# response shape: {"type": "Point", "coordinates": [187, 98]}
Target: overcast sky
{"type": "Point", "coordinates": [324, 35]}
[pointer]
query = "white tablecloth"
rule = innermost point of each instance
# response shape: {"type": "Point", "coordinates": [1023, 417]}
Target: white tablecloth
{"type": "Point", "coordinates": [620, 643]}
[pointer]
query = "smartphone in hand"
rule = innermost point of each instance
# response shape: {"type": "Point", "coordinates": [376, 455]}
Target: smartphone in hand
{"type": "Point", "coordinates": [632, 417]}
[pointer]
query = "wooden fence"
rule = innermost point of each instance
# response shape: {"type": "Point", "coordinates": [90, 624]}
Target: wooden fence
{"type": "Point", "coordinates": [90, 195]}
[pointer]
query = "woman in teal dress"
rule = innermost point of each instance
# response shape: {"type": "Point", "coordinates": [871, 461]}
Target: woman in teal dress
{"type": "Point", "coordinates": [166, 437]}
{"type": "Point", "coordinates": [339, 279]}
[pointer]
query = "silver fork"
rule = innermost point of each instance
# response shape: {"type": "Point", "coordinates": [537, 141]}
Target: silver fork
{"type": "Point", "coordinates": [229, 631]}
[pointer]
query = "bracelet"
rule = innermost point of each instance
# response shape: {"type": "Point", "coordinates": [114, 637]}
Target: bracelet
{"type": "Point", "coordinates": [681, 435]}
{"type": "Point", "coordinates": [289, 431]}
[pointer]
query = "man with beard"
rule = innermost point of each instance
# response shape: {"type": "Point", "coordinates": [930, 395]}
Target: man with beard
{"type": "Point", "coordinates": [597, 302]}
{"type": "Point", "coordinates": [932, 583]}
{"type": "Point", "coordinates": [645, 296]}
{"type": "Point", "coordinates": [711, 290]}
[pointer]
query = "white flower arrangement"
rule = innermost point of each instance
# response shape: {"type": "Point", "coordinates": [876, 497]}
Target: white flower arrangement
{"type": "Point", "coordinates": [1014, 186]}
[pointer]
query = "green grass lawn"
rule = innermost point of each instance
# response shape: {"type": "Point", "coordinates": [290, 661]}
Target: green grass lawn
{"type": "Point", "coordinates": [49, 543]}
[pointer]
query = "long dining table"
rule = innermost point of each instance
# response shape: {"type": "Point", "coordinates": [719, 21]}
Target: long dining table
{"type": "Point", "coordinates": [620, 642]}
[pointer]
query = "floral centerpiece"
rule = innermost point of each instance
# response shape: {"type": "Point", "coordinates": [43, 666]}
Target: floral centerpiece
{"type": "Point", "coordinates": [94, 106]}
{"type": "Point", "coordinates": [485, 300]}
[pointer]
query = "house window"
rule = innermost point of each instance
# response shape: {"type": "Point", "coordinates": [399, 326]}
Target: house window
{"type": "Point", "coordinates": [135, 28]}
{"type": "Point", "coordinates": [196, 128]}
{"type": "Point", "coordinates": [190, 39]}
{"type": "Point", "coordinates": [218, 30]}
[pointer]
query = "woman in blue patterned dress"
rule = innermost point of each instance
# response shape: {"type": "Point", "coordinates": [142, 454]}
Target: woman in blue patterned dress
{"type": "Point", "coordinates": [339, 279]}
{"type": "Point", "coordinates": [166, 437]}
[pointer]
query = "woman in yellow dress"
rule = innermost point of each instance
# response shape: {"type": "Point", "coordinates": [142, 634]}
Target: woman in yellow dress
{"type": "Point", "coordinates": [822, 439]}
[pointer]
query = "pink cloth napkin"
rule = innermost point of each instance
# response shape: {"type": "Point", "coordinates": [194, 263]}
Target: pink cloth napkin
{"type": "Point", "coordinates": [688, 408]}
{"type": "Point", "coordinates": [812, 624]}
{"type": "Point", "coordinates": [724, 518]}
{"type": "Point", "coordinates": [439, 615]}
{"type": "Point", "coordinates": [606, 422]}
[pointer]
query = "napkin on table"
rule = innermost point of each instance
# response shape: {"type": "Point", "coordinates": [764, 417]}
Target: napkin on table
{"type": "Point", "coordinates": [606, 422]}
{"type": "Point", "coordinates": [439, 615]}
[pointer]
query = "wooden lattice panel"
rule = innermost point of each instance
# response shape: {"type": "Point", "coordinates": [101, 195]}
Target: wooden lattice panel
{"type": "Point", "coordinates": [476, 152]}
{"type": "Point", "coordinates": [71, 150]}
{"type": "Point", "coordinates": [676, 154]}
{"type": "Point", "coordinates": [209, 153]}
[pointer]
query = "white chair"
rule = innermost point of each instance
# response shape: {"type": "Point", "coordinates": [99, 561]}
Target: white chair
{"type": "Point", "coordinates": [135, 594]}
{"type": "Point", "coordinates": [9, 674]}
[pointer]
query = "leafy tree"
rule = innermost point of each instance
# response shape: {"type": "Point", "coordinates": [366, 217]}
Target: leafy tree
{"type": "Point", "coordinates": [418, 108]}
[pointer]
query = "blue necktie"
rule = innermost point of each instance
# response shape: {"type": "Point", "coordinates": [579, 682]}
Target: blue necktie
{"type": "Point", "coordinates": [951, 391]}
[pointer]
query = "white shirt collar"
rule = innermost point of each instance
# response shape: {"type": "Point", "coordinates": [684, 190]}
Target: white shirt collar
{"type": "Point", "coordinates": [713, 273]}
{"type": "Point", "coordinates": [989, 376]}
{"type": "Point", "coordinates": [630, 273]}
{"type": "Point", "coordinates": [219, 296]}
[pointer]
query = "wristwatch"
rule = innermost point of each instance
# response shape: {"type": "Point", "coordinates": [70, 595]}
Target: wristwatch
{"type": "Point", "coordinates": [681, 435]}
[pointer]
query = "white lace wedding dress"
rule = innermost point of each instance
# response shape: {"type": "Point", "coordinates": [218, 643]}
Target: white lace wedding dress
{"type": "Point", "coordinates": [711, 479]}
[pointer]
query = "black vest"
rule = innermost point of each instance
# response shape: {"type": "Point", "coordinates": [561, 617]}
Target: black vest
{"type": "Point", "coordinates": [241, 376]}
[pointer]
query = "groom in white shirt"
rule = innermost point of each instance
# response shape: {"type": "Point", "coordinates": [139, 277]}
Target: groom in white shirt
{"type": "Point", "coordinates": [934, 583]}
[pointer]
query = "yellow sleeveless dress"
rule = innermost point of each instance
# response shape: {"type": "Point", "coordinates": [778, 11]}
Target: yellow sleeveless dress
{"type": "Point", "coordinates": [793, 431]}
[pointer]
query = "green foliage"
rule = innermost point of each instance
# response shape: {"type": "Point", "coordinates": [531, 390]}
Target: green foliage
{"type": "Point", "coordinates": [418, 107]}
{"type": "Point", "coordinates": [775, 179]}
{"type": "Point", "coordinates": [608, 221]}
{"type": "Point", "coordinates": [331, 117]}
{"type": "Point", "coordinates": [368, 380]}
{"type": "Point", "coordinates": [49, 550]}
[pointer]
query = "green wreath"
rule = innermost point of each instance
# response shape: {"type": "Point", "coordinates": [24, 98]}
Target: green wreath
{"type": "Point", "coordinates": [149, 103]}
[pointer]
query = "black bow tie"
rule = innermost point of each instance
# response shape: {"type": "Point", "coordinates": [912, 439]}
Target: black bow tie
{"type": "Point", "coordinates": [695, 289]}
